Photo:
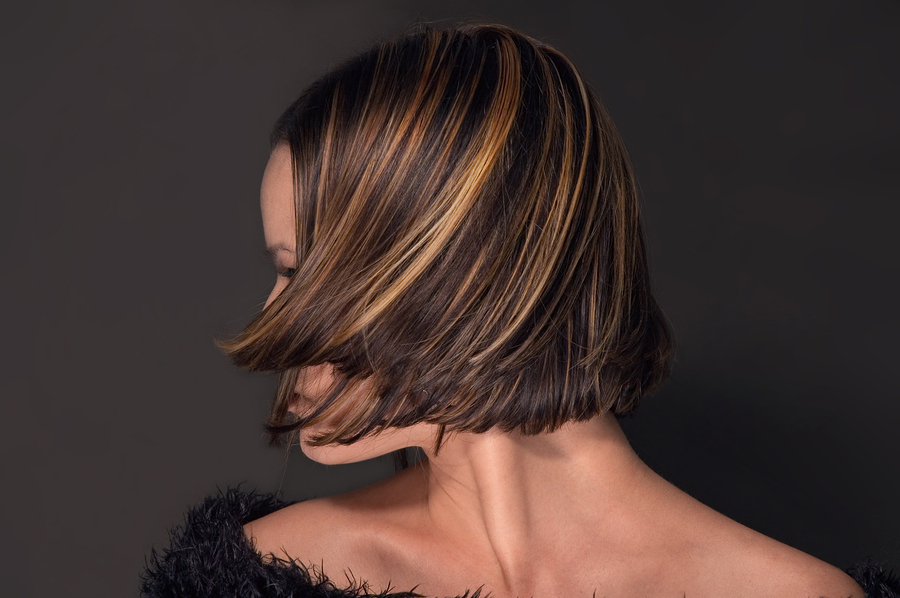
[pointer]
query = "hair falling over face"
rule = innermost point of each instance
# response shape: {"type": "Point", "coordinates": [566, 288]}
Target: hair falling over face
{"type": "Point", "coordinates": [468, 245]}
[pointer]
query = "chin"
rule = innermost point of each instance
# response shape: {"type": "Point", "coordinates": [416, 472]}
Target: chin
{"type": "Point", "coordinates": [366, 448]}
{"type": "Point", "coordinates": [334, 454]}
{"type": "Point", "coordinates": [340, 454]}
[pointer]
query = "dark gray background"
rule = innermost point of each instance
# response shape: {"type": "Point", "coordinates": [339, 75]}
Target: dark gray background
{"type": "Point", "coordinates": [134, 137]}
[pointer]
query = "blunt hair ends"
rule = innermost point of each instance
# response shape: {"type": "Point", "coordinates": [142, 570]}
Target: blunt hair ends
{"type": "Point", "coordinates": [469, 245]}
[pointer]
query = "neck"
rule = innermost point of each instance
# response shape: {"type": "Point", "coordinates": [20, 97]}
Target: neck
{"type": "Point", "coordinates": [519, 495]}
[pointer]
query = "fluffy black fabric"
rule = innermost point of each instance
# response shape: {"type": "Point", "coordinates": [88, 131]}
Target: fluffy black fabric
{"type": "Point", "coordinates": [209, 557]}
{"type": "Point", "coordinates": [877, 581]}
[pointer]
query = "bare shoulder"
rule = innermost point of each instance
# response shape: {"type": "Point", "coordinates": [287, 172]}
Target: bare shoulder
{"type": "Point", "coordinates": [332, 533]}
{"type": "Point", "coordinates": [714, 555]}
{"type": "Point", "coordinates": [792, 572]}
{"type": "Point", "coordinates": [806, 575]}
{"type": "Point", "coordinates": [750, 563]}
{"type": "Point", "coordinates": [296, 531]}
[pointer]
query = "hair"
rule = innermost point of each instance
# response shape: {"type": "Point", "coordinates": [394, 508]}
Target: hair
{"type": "Point", "coordinates": [468, 242]}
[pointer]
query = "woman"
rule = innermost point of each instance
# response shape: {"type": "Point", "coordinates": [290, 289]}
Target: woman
{"type": "Point", "coordinates": [455, 227]}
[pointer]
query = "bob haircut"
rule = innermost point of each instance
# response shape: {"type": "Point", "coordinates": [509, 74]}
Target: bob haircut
{"type": "Point", "coordinates": [468, 242]}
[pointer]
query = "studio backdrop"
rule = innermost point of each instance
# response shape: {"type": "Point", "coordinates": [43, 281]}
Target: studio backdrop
{"type": "Point", "coordinates": [765, 138]}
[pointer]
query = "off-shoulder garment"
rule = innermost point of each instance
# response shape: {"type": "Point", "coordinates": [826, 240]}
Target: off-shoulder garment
{"type": "Point", "coordinates": [209, 557]}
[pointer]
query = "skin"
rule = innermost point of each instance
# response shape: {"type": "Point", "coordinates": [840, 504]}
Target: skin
{"type": "Point", "coordinates": [568, 513]}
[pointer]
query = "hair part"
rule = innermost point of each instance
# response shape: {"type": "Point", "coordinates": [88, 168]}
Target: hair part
{"type": "Point", "coordinates": [468, 241]}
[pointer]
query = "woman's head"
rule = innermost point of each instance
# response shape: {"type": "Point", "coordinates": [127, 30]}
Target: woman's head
{"type": "Point", "coordinates": [460, 224]}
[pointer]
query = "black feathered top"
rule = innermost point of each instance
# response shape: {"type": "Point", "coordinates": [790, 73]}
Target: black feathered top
{"type": "Point", "coordinates": [209, 557]}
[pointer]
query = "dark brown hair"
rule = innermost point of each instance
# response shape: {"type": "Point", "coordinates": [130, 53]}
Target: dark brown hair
{"type": "Point", "coordinates": [468, 241]}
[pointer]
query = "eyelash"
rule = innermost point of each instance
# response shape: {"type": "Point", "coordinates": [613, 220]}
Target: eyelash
{"type": "Point", "coordinates": [283, 272]}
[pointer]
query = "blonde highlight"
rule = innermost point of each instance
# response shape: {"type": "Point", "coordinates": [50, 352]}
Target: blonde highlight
{"type": "Point", "coordinates": [468, 241]}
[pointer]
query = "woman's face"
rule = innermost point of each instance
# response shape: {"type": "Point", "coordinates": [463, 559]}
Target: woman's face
{"type": "Point", "coordinates": [314, 383]}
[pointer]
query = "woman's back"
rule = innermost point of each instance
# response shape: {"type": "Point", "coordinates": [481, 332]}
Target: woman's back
{"type": "Point", "coordinates": [617, 529]}
{"type": "Point", "coordinates": [456, 230]}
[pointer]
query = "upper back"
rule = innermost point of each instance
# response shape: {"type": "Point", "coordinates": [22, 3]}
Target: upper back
{"type": "Point", "coordinates": [378, 535]}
